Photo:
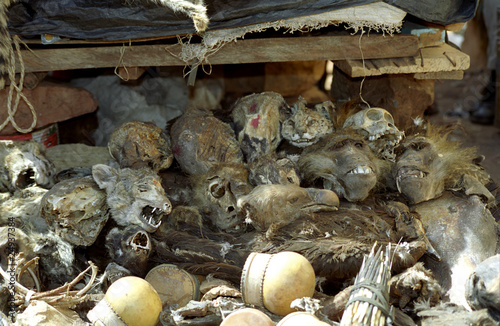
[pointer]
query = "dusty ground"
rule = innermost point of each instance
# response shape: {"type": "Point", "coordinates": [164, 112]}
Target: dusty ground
{"type": "Point", "coordinates": [453, 99]}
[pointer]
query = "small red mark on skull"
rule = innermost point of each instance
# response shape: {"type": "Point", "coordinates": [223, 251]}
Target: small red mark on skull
{"type": "Point", "coordinates": [255, 122]}
{"type": "Point", "coordinates": [253, 108]}
{"type": "Point", "coordinates": [177, 150]}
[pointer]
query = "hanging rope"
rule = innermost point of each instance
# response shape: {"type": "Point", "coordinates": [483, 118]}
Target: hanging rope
{"type": "Point", "coordinates": [364, 70]}
{"type": "Point", "coordinates": [121, 63]}
{"type": "Point", "coordinates": [12, 107]}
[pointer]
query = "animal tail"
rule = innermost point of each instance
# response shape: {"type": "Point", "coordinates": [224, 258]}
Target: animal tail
{"type": "Point", "coordinates": [5, 41]}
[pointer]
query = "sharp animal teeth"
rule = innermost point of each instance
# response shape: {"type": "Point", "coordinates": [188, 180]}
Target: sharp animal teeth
{"type": "Point", "coordinates": [398, 179]}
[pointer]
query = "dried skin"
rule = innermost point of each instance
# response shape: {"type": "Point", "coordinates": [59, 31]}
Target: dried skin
{"type": "Point", "coordinates": [133, 196]}
{"type": "Point", "coordinates": [464, 233]}
{"type": "Point", "coordinates": [216, 193]}
{"type": "Point", "coordinates": [137, 144]}
{"type": "Point", "coordinates": [23, 164]}
{"type": "Point", "coordinates": [307, 126]}
{"type": "Point", "coordinates": [257, 123]}
{"type": "Point", "coordinates": [200, 141]}
{"type": "Point", "coordinates": [76, 210]}
{"type": "Point", "coordinates": [343, 163]}
{"type": "Point", "coordinates": [428, 163]}
{"type": "Point", "coordinates": [279, 205]}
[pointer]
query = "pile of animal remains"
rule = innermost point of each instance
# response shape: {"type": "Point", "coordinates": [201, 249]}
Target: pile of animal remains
{"type": "Point", "coordinates": [207, 193]}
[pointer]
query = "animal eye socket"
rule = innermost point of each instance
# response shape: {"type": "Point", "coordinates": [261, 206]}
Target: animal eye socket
{"type": "Point", "coordinates": [419, 146]}
{"type": "Point", "coordinates": [359, 144]}
{"type": "Point", "coordinates": [217, 190]}
{"type": "Point", "coordinates": [142, 188]}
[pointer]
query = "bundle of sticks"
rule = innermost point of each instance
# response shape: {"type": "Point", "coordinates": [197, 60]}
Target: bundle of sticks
{"type": "Point", "coordinates": [369, 299]}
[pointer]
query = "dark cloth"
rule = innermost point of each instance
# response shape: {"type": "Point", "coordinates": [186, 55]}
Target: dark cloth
{"type": "Point", "coordinates": [112, 20]}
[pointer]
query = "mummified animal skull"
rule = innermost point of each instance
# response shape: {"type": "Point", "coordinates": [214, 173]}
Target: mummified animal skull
{"type": "Point", "coordinates": [138, 144]}
{"type": "Point", "coordinates": [200, 140]}
{"type": "Point", "coordinates": [257, 123]}
{"type": "Point", "coordinates": [428, 163]}
{"type": "Point", "coordinates": [76, 210]}
{"type": "Point", "coordinates": [344, 163]}
{"type": "Point", "coordinates": [377, 126]}
{"type": "Point", "coordinates": [130, 247]}
{"type": "Point", "coordinates": [22, 164]}
{"type": "Point", "coordinates": [217, 191]}
{"type": "Point", "coordinates": [134, 196]}
{"type": "Point", "coordinates": [307, 125]}
{"type": "Point", "coordinates": [278, 205]}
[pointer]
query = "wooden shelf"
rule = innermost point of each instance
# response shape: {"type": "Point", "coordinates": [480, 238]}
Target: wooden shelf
{"type": "Point", "coordinates": [443, 61]}
{"type": "Point", "coordinates": [308, 48]}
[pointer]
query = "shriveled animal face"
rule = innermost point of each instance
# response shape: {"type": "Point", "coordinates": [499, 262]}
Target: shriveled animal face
{"type": "Point", "coordinates": [217, 191]}
{"type": "Point", "coordinates": [419, 170]}
{"type": "Point", "coordinates": [257, 122]}
{"type": "Point", "coordinates": [133, 196]}
{"type": "Point", "coordinates": [275, 204]}
{"type": "Point", "coordinates": [76, 210]}
{"type": "Point", "coordinates": [344, 163]}
{"type": "Point", "coordinates": [23, 164]}
{"type": "Point", "coordinates": [138, 144]}
{"type": "Point", "coordinates": [130, 247]}
{"type": "Point", "coordinates": [377, 126]}
{"type": "Point", "coordinates": [307, 125]}
{"type": "Point", "coordinates": [428, 163]}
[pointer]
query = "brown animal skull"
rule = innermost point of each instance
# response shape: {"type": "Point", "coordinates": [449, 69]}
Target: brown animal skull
{"type": "Point", "coordinates": [344, 163]}
{"type": "Point", "coordinates": [216, 194]}
{"type": "Point", "coordinates": [138, 144]}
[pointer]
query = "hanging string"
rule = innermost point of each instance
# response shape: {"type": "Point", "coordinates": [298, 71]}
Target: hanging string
{"type": "Point", "coordinates": [120, 62]}
{"type": "Point", "coordinates": [364, 69]}
{"type": "Point", "coordinates": [12, 109]}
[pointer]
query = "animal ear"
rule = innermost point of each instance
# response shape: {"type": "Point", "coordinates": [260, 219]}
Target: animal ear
{"type": "Point", "coordinates": [105, 176]}
{"type": "Point", "coordinates": [324, 109]}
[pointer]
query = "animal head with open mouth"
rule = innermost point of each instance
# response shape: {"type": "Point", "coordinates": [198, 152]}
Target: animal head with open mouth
{"type": "Point", "coordinates": [134, 196]}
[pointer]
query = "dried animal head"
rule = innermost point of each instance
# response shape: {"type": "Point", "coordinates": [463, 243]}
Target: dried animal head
{"type": "Point", "coordinates": [307, 125]}
{"type": "Point", "coordinates": [271, 169]}
{"type": "Point", "coordinates": [22, 164]}
{"type": "Point", "coordinates": [428, 163]}
{"type": "Point", "coordinates": [280, 204]}
{"type": "Point", "coordinates": [130, 247]}
{"type": "Point", "coordinates": [138, 144]}
{"type": "Point", "coordinates": [76, 210]}
{"type": "Point", "coordinates": [200, 140]}
{"type": "Point", "coordinates": [344, 163]}
{"type": "Point", "coordinates": [257, 123]}
{"type": "Point", "coordinates": [376, 125]}
{"type": "Point", "coordinates": [217, 191]}
{"type": "Point", "coordinates": [133, 196]}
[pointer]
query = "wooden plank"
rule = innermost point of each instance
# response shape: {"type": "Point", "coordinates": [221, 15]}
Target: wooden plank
{"type": "Point", "coordinates": [243, 51]}
{"type": "Point", "coordinates": [432, 59]}
{"type": "Point", "coordinates": [455, 74]}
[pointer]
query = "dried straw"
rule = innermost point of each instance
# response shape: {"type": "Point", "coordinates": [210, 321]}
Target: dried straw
{"type": "Point", "coordinates": [368, 303]}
